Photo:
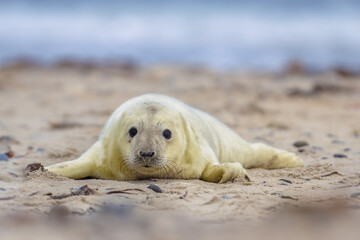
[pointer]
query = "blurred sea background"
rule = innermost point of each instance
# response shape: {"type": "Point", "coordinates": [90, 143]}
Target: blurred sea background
{"type": "Point", "coordinates": [259, 35]}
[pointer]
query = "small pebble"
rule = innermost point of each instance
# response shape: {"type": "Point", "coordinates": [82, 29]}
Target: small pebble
{"type": "Point", "coordinates": [299, 144]}
{"type": "Point", "coordinates": [337, 141]}
{"type": "Point", "coordinates": [2, 189]}
{"type": "Point", "coordinates": [40, 150]}
{"type": "Point", "coordinates": [340, 155]}
{"type": "Point", "coordinates": [307, 179]}
{"type": "Point", "coordinates": [301, 150]}
{"type": "Point", "coordinates": [4, 157]}
{"type": "Point", "coordinates": [155, 188]}
{"type": "Point", "coordinates": [285, 180]}
{"type": "Point", "coordinates": [324, 158]}
{"type": "Point", "coordinates": [347, 149]}
{"type": "Point", "coordinates": [354, 195]}
{"type": "Point", "coordinates": [226, 196]}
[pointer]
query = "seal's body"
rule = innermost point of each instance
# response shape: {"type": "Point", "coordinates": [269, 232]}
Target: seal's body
{"type": "Point", "coordinates": [155, 136]}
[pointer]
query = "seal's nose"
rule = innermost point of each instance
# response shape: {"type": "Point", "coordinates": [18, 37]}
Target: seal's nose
{"type": "Point", "coordinates": [145, 154]}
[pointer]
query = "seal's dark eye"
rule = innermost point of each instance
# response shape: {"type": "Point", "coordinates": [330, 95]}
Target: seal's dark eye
{"type": "Point", "coordinates": [167, 134]}
{"type": "Point", "coordinates": [132, 132]}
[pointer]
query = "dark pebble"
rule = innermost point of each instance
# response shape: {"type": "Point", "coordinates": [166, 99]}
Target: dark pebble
{"type": "Point", "coordinates": [301, 150]}
{"type": "Point", "coordinates": [337, 141]}
{"type": "Point", "coordinates": [299, 144]}
{"type": "Point", "coordinates": [4, 157]}
{"type": "Point", "coordinates": [285, 180]}
{"type": "Point", "coordinates": [155, 188]}
{"type": "Point", "coordinates": [347, 149]}
{"type": "Point", "coordinates": [307, 179]}
{"type": "Point", "coordinates": [340, 155]}
{"type": "Point", "coordinates": [324, 158]}
{"type": "Point", "coordinates": [2, 189]}
{"type": "Point", "coordinates": [354, 195]}
{"type": "Point", "coordinates": [40, 150]}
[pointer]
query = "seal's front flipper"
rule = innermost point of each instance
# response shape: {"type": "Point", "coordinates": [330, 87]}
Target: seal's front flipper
{"type": "Point", "coordinates": [82, 167]}
{"type": "Point", "coordinates": [221, 173]}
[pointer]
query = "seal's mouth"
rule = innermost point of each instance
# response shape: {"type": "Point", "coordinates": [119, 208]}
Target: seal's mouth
{"type": "Point", "coordinates": [147, 163]}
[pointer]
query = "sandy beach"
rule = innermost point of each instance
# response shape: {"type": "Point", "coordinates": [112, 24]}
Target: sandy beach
{"type": "Point", "coordinates": [53, 114]}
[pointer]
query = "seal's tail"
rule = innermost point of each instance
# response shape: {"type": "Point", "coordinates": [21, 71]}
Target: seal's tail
{"type": "Point", "coordinates": [268, 157]}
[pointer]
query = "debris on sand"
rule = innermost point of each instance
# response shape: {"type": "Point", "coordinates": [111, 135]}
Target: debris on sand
{"type": "Point", "coordinates": [83, 190]}
{"type": "Point", "coordinates": [285, 180]}
{"type": "Point", "coordinates": [7, 198]}
{"type": "Point", "coordinates": [64, 125]}
{"type": "Point", "coordinates": [33, 167]}
{"type": "Point", "coordinates": [5, 149]}
{"type": "Point", "coordinates": [75, 191]}
{"type": "Point", "coordinates": [332, 173]}
{"type": "Point", "coordinates": [319, 88]}
{"type": "Point", "coordinates": [339, 155]}
{"type": "Point", "coordinates": [289, 197]}
{"type": "Point", "coordinates": [125, 191]}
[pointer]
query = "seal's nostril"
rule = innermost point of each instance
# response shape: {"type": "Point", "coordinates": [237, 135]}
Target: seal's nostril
{"type": "Point", "coordinates": [142, 153]}
{"type": "Point", "coordinates": [146, 154]}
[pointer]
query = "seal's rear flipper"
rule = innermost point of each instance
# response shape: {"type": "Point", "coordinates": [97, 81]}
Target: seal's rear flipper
{"type": "Point", "coordinates": [82, 167]}
{"type": "Point", "coordinates": [268, 157]}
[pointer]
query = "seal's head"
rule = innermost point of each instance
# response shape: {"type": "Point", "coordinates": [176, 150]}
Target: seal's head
{"type": "Point", "coordinates": [151, 140]}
